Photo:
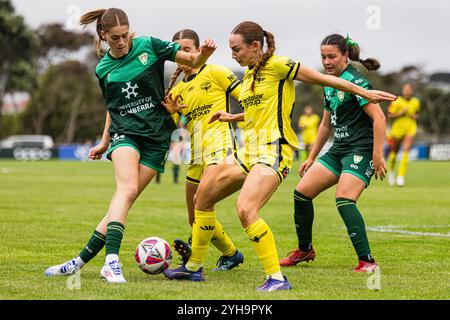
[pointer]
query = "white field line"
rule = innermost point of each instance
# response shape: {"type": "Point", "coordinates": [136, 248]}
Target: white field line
{"type": "Point", "coordinates": [395, 229]}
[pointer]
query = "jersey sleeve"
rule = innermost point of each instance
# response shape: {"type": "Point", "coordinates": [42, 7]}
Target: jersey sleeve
{"type": "Point", "coordinates": [285, 67]}
{"type": "Point", "coordinates": [102, 84]}
{"type": "Point", "coordinates": [164, 50]}
{"type": "Point", "coordinates": [326, 101]}
{"type": "Point", "coordinates": [364, 84]}
{"type": "Point", "coordinates": [393, 107]}
{"type": "Point", "coordinates": [418, 106]}
{"type": "Point", "coordinates": [227, 80]}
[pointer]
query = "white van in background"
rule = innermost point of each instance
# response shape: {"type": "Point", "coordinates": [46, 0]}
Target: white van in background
{"type": "Point", "coordinates": [28, 147]}
{"type": "Point", "coordinates": [27, 141]}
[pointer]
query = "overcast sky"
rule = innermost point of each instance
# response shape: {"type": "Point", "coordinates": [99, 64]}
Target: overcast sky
{"type": "Point", "coordinates": [397, 32]}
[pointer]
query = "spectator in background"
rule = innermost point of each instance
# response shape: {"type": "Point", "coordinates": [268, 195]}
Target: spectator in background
{"type": "Point", "coordinates": [404, 113]}
{"type": "Point", "coordinates": [308, 124]}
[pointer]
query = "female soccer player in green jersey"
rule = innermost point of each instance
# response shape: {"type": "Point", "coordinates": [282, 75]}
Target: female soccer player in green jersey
{"type": "Point", "coordinates": [204, 91]}
{"type": "Point", "coordinates": [359, 126]}
{"type": "Point", "coordinates": [267, 97]}
{"type": "Point", "coordinates": [137, 129]}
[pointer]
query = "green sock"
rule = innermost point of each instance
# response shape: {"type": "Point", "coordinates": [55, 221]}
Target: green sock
{"type": "Point", "coordinates": [114, 235]}
{"type": "Point", "coordinates": [303, 218]}
{"type": "Point", "coordinates": [354, 222]}
{"type": "Point", "coordinates": [93, 247]}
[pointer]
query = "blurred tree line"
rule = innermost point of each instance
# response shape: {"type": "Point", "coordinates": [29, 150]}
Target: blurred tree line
{"type": "Point", "coordinates": [66, 102]}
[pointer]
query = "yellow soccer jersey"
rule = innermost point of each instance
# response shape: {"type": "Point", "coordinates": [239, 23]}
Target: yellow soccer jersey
{"type": "Point", "coordinates": [269, 107]}
{"type": "Point", "coordinates": [413, 106]}
{"type": "Point", "coordinates": [309, 125]}
{"type": "Point", "coordinates": [206, 93]}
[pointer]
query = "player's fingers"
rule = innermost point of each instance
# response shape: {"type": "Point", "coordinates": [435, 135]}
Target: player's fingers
{"type": "Point", "coordinates": [213, 118]}
{"type": "Point", "coordinates": [383, 173]}
{"type": "Point", "coordinates": [211, 43]}
{"type": "Point", "coordinates": [386, 96]}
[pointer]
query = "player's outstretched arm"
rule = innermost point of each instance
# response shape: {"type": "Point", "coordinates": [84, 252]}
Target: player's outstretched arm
{"type": "Point", "coordinates": [223, 116]}
{"type": "Point", "coordinates": [197, 59]}
{"type": "Point", "coordinates": [311, 76]}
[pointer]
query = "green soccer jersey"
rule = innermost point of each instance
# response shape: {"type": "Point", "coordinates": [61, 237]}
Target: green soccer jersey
{"type": "Point", "coordinates": [352, 127]}
{"type": "Point", "coordinates": [133, 87]}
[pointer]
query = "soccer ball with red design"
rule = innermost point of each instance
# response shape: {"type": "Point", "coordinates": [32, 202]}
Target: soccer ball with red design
{"type": "Point", "coordinates": [153, 255]}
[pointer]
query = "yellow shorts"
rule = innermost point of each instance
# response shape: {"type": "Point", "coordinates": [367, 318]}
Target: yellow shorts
{"type": "Point", "coordinates": [401, 130]}
{"type": "Point", "coordinates": [278, 157]}
{"type": "Point", "coordinates": [196, 168]}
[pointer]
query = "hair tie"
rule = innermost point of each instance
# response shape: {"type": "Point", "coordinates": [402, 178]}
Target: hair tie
{"type": "Point", "coordinates": [265, 33]}
{"type": "Point", "coordinates": [350, 42]}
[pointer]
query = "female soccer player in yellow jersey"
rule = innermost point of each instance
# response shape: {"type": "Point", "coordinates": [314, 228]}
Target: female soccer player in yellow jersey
{"type": "Point", "coordinates": [359, 128]}
{"type": "Point", "coordinates": [137, 128]}
{"type": "Point", "coordinates": [204, 91]}
{"type": "Point", "coordinates": [404, 113]}
{"type": "Point", "coordinates": [308, 124]}
{"type": "Point", "coordinates": [267, 97]}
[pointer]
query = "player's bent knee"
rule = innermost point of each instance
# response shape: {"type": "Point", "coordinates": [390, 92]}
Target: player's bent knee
{"type": "Point", "coordinates": [306, 192]}
{"type": "Point", "coordinates": [246, 213]}
{"type": "Point", "coordinates": [130, 193]}
{"type": "Point", "coordinates": [204, 200]}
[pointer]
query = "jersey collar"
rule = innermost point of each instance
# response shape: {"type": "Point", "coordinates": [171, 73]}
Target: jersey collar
{"type": "Point", "coordinates": [192, 76]}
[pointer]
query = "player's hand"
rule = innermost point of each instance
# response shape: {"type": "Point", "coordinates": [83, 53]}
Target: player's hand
{"type": "Point", "coordinates": [97, 152]}
{"type": "Point", "coordinates": [222, 116]}
{"type": "Point", "coordinates": [379, 167]}
{"type": "Point", "coordinates": [171, 103]}
{"type": "Point", "coordinates": [376, 96]}
{"type": "Point", "coordinates": [207, 48]}
{"type": "Point", "coordinates": [305, 166]}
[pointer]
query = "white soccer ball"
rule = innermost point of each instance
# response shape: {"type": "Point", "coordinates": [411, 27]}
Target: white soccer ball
{"type": "Point", "coordinates": [153, 255]}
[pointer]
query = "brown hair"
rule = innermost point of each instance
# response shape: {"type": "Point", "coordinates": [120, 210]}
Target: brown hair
{"type": "Point", "coordinates": [353, 51]}
{"type": "Point", "coordinates": [251, 31]}
{"type": "Point", "coordinates": [106, 19]}
{"type": "Point", "coordinates": [180, 35]}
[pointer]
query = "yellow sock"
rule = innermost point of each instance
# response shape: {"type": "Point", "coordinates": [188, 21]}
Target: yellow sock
{"type": "Point", "coordinates": [202, 232]}
{"type": "Point", "coordinates": [263, 241]}
{"type": "Point", "coordinates": [403, 165]}
{"type": "Point", "coordinates": [222, 241]}
{"type": "Point", "coordinates": [392, 156]}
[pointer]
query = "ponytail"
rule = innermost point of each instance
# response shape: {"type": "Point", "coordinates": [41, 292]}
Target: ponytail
{"type": "Point", "coordinates": [347, 45]}
{"type": "Point", "coordinates": [270, 40]}
{"type": "Point", "coordinates": [173, 79]}
{"type": "Point", "coordinates": [370, 64]}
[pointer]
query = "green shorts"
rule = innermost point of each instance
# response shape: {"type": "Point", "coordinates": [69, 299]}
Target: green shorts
{"type": "Point", "coordinates": [359, 165]}
{"type": "Point", "coordinates": [152, 154]}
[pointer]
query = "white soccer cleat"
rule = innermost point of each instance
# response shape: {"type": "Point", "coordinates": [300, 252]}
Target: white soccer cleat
{"type": "Point", "coordinates": [391, 178]}
{"type": "Point", "coordinates": [66, 269]}
{"type": "Point", "coordinates": [112, 272]}
{"type": "Point", "coordinates": [400, 181]}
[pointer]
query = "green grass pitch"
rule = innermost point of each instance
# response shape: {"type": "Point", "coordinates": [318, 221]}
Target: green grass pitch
{"type": "Point", "coordinates": [48, 211]}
